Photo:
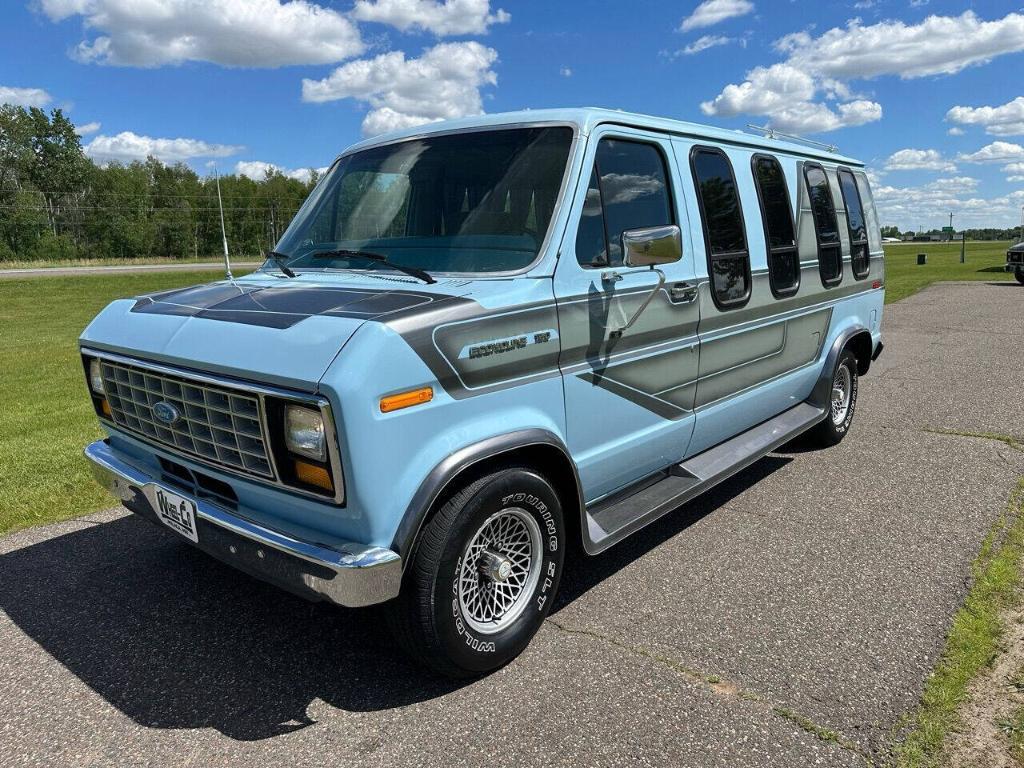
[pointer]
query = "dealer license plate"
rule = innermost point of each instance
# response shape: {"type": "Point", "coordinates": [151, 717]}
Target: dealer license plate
{"type": "Point", "coordinates": [176, 512]}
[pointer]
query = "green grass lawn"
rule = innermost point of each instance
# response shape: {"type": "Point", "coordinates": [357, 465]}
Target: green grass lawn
{"type": "Point", "coordinates": [46, 418]}
{"type": "Point", "coordinates": [903, 277]}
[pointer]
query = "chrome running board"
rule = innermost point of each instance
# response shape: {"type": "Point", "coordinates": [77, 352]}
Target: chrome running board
{"type": "Point", "coordinates": [616, 517]}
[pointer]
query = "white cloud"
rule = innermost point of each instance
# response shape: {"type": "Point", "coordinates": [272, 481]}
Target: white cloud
{"type": "Point", "coordinates": [939, 45]}
{"type": "Point", "coordinates": [705, 42]}
{"type": "Point", "coordinates": [918, 159]}
{"type": "Point", "coordinates": [565, 72]}
{"type": "Point", "coordinates": [929, 205]}
{"type": "Point", "coordinates": [127, 146]}
{"type": "Point", "coordinates": [86, 128]}
{"type": "Point", "coordinates": [711, 12]}
{"type": "Point", "coordinates": [234, 33]}
{"type": "Point", "coordinates": [955, 131]}
{"type": "Point", "coordinates": [443, 83]}
{"type": "Point", "coordinates": [825, 64]}
{"type": "Point", "coordinates": [1015, 178]}
{"type": "Point", "coordinates": [450, 17]}
{"type": "Point", "coordinates": [785, 94]}
{"type": "Point", "coordinates": [1005, 120]}
{"type": "Point", "coordinates": [1014, 168]}
{"type": "Point", "coordinates": [996, 152]}
{"type": "Point", "coordinates": [257, 170]}
{"type": "Point", "coordinates": [24, 97]}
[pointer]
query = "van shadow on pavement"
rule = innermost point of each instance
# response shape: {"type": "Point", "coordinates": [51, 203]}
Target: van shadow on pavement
{"type": "Point", "coordinates": [174, 639]}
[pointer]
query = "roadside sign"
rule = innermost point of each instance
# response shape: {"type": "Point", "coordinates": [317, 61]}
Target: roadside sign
{"type": "Point", "coordinates": [948, 229]}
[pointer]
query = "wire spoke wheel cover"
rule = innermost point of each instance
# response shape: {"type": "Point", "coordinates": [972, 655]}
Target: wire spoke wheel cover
{"type": "Point", "coordinates": [500, 569]}
{"type": "Point", "coordinates": [842, 389]}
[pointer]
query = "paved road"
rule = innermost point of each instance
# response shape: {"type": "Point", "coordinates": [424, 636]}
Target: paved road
{"type": "Point", "coordinates": [812, 591]}
{"type": "Point", "coordinates": [120, 269]}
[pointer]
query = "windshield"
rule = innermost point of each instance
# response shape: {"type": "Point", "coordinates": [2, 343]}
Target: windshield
{"type": "Point", "coordinates": [467, 202]}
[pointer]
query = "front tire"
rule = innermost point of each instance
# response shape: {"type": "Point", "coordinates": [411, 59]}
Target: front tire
{"type": "Point", "coordinates": [1019, 274]}
{"type": "Point", "coordinates": [483, 574]}
{"type": "Point", "coordinates": [842, 403]}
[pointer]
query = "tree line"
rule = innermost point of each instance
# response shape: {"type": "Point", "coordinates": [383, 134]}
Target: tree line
{"type": "Point", "coordinates": [986, 233]}
{"type": "Point", "coordinates": [57, 204]}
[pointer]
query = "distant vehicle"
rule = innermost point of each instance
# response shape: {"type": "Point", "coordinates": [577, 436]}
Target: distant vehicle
{"type": "Point", "coordinates": [1015, 261]}
{"type": "Point", "coordinates": [480, 340]}
{"type": "Point", "coordinates": [892, 240]}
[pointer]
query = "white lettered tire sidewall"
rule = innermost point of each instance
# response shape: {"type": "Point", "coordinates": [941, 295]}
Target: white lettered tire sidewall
{"type": "Point", "coordinates": [850, 361]}
{"type": "Point", "coordinates": [468, 648]}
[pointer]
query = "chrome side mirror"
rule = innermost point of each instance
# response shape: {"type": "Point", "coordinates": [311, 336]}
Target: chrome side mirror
{"type": "Point", "coordinates": [650, 246]}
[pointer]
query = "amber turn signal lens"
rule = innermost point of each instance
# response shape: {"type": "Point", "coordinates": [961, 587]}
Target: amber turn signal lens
{"type": "Point", "coordinates": [310, 474]}
{"type": "Point", "coordinates": [105, 407]}
{"type": "Point", "coordinates": [405, 399]}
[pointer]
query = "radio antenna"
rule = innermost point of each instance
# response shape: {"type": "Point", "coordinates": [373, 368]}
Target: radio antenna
{"type": "Point", "coordinates": [223, 231]}
{"type": "Point", "coordinates": [771, 133]}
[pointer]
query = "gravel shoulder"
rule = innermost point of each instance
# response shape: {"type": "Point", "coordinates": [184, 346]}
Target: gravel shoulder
{"type": "Point", "coordinates": [791, 617]}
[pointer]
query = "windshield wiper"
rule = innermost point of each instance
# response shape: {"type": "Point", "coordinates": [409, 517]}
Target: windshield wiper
{"type": "Point", "coordinates": [281, 261]}
{"type": "Point", "coordinates": [377, 258]}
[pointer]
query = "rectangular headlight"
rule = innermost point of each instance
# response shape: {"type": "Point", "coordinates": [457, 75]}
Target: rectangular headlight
{"type": "Point", "coordinates": [95, 376]}
{"type": "Point", "coordinates": [304, 432]}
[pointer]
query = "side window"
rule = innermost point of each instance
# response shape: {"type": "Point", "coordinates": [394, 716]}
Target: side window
{"type": "Point", "coordinates": [591, 247]}
{"type": "Point", "coordinates": [628, 190]}
{"type": "Point", "coordinates": [855, 221]}
{"type": "Point", "coordinates": [823, 210]}
{"type": "Point", "coordinates": [724, 234]}
{"type": "Point", "coordinates": [777, 214]}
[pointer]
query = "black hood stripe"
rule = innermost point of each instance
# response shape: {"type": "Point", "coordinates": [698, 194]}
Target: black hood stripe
{"type": "Point", "coordinates": [283, 306]}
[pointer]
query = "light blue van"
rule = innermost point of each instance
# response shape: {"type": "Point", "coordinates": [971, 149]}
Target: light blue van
{"type": "Point", "coordinates": [485, 343]}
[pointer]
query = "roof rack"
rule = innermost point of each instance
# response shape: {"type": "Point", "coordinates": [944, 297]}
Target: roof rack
{"type": "Point", "coordinates": [771, 133]}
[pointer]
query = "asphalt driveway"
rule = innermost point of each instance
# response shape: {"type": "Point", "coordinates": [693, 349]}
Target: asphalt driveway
{"type": "Point", "coordinates": [788, 619]}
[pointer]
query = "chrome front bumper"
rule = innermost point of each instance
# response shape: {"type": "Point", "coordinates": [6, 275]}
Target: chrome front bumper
{"type": "Point", "coordinates": [347, 574]}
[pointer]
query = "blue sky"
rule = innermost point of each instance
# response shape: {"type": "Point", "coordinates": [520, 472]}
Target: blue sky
{"type": "Point", "coordinates": [930, 94]}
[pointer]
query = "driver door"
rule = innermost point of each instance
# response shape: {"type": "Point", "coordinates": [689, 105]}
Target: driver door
{"type": "Point", "coordinates": [629, 395]}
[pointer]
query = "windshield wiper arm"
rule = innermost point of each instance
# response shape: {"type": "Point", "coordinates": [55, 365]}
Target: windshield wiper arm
{"type": "Point", "coordinates": [281, 260]}
{"type": "Point", "coordinates": [377, 258]}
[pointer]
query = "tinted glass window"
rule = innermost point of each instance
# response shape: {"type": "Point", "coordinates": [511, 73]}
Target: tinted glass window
{"type": "Point", "coordinates": [855, 220]}
{"type": "Point", "coordinates": [783, 259]}
{"type": "Point", "coordinates": [771, 186]}
{"type": "Point", "coordinates": [720, 204]}
{"type": "Point", "coordinates": [729, 277]}
{"type": "Point", "coordinates": [724, 235]}
{"type": "Point", "coordinates": [823, 211]}
{"type": "Point", "coordinates": [628, 190]}
{"type": "Point", "coordinates": [591, 248]}
{"type": "Point", "coordinates": [479, 201]}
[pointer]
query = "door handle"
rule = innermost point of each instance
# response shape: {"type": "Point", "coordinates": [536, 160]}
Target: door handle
{"type": "Point", "coordinates": [683, 292]}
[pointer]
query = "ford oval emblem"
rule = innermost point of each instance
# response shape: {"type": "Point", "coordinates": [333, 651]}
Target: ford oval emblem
{"type": "Point", "coordinates": [166, 412]}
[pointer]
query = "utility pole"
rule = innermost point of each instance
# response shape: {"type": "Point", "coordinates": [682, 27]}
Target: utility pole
{"type": "Point", "coordinates": [223, 231]}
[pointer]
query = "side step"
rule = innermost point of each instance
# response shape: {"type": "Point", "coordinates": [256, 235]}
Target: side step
{"type": "Point", "coordinates": [613, 519]}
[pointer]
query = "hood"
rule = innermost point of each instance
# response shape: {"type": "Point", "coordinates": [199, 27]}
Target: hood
{"type": "Point", "coordinates": [284, 333]}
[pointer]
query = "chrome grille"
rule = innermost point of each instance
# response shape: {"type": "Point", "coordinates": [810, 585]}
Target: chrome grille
{"type": "Point", "coordinates": [218, 425]}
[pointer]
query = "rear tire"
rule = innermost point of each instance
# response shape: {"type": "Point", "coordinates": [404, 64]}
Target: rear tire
{"type": "Point", "coordinates": [483, 575]}
{"type": "Point", "coordinates": [1019, 274]}
{"type": "Point", "coordinates": [842, 403]}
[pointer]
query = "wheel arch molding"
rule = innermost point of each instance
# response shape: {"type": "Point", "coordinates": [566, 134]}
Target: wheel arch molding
{"type": "Point", "coordinates": [537, 449]}
{"type": "Point", "coordinates": [857, 338]}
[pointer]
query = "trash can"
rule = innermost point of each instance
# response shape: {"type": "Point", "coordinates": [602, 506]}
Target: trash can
{"type": "Point", "coordinates": [922, 258]}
